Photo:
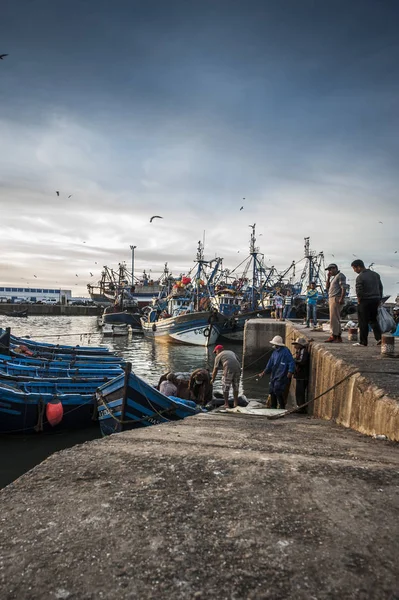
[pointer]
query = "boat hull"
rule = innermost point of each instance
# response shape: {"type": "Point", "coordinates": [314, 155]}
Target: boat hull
{"type": "Point", "coordinates": [192, 328]}
{"type": "Point", "coordinates": [22, 412]}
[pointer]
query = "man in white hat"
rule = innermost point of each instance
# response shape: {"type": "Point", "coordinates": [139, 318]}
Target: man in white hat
{"type": "Point", "coordinates": [301, 375]}
{"type": "Point", "coordinates": [281, 367]}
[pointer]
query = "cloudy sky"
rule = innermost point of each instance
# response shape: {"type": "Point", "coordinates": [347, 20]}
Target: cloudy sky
{"type": "Point", "coordinates": [182, 108]}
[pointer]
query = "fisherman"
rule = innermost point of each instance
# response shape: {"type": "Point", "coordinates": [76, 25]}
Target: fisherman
{"type": "Point", "coordinates": [301, 375]}
{"type": "Point", "coordinates": [169, 387]}
{"type": "Point", "coordinates": [231, 373]}
{"type": "Point", "coordinates": [281, 366]}
{"type": "Point", "coordinates": [336, 287]}
{"type": "Point", "coordinates": [200, 386]}
{"type": "Point", "coordinates": [369, 295]}
{"type": "Point", "coordinates": [311, 304]}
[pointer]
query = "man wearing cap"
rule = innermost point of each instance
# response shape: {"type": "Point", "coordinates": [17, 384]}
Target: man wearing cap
{"type": "Point", "coordinates": [301, 374]}
{"type": "Point", "coordinates": [231, 373]}
{"type": "Point", "coordinates": [281, 366]}
{"type": "Point", "coordinates": [336, 288]}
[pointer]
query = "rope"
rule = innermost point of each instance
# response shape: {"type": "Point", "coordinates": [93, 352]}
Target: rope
{"type": "Point", "coordinates": [126, 422]}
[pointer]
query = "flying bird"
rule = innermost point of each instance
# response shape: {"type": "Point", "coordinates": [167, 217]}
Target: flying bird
{"type": "Point", "coordinates": [155, 217]}
{"type": "Point", "coordinates": [381, 222]}
{"type": "Point", "coordinates": [70, 196]}
{"type": "Point", "coordinates": [35, 276]}
{"type": "Point", "coordinates": [95, 263]}
{"type": "Point", "coordinates": [77, 275]}
{"type": "Point", "coordinates": [83, 242]}
{"type": "Point", "coordinates": [241, 207]}
{"type": "Point", "coordinates": [57, 193]}
{"type": "Point", "coordinates": [91, 274]}
{"type": "Point", "coordinates": [354, 255]}
{"type": "Point", "coordinates": [395, 252]}
{"type": "Point", "coordinates": [333, 255]}
{"type": "Point", "coordinates": [3, 56]}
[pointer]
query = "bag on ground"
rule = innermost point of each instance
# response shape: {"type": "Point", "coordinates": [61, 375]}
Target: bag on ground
{"type": "Point", "coordinates": [385, 320]}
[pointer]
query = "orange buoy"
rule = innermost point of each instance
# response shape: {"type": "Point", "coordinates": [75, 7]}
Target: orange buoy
{"type": "Point", "coordinates": [54, 412]}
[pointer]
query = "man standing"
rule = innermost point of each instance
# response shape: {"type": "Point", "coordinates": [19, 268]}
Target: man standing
{"type": "Point", "coordinates": [231, 373]}
{"type": "Point", "coordinates": [301, 375]}
{"type": "Point", "coordinates": [281, 365]}
{"type": "Point", "coordinates": [336, 288]}
{"type": "Point", "coordinates": [311, 304]}
{"type": "Point", "coordinates": [369, 294]}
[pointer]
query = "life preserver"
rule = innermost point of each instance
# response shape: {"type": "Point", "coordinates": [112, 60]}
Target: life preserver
{"type": "Point", "coordinates": [154, 327]}
{"type": "Point", "coordinates": [54, 412]}
{"type": "Point", "coordinates": [207, 331]}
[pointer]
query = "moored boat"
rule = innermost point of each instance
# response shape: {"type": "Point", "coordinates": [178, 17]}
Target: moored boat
{"type": "Point", "coordinates": [27, 412]}
{"type": "Point", "coordinates": [129, 402]}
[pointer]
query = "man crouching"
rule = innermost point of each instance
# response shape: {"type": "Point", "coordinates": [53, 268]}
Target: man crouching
{"type": "Point", "coordinates": [231, 373]}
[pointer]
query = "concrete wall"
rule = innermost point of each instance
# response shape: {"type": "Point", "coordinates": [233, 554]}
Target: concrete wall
{"type": "Point", "coordinates": [48, 309]}
{"type": "Point", "coordinates": [356, 403]}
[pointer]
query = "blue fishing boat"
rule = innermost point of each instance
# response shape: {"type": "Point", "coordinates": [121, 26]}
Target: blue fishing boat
{"type": "Point", "coordinates": [62, 364]}
{"type": "Point", "coordinates": [106, 359]}
{"type": "Point", "coordinates": [129, 402]}
{"type": "Point", "coordinates": [99, 378]}
{"type": "Point", "coordinates": [36, 346]}
{"type": "Point", "coordinates": [11, 369]}
{"type": "Point", "coordinates": [55, 387]}
{"type": "Point", "coordinates": [24, 412]}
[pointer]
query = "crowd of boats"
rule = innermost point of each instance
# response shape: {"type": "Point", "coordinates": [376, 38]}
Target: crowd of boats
{"type": "Point", "coordinates": [209, 302]}
{"type": "Point", "coordinates": [46, 387]}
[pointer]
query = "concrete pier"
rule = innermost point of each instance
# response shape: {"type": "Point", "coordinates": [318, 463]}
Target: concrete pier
{"type": "Point", "coordinates": [215, 506]}
{"type": "Point", "coordinates": [368, 399]}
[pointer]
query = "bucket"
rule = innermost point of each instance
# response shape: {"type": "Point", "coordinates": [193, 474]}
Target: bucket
{"type": "Point", "coordinates": [352, 334]}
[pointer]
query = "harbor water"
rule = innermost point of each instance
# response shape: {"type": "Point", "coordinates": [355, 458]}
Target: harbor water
{"type": "Point", "coordinates": [150, 359]}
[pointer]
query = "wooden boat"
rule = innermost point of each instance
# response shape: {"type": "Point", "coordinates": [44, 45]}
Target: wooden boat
{"type": "Point", "coordinates": [106, 359]}
{"type": "Point", "coordinates": [129, 402]}
{"type": "Point", "coordinates": [26, 412]}
{"type": "Point", "coordinates": [44, 346]}
{"type": "Point", "coordinates": [55, 388]}
{"type": "Point", "coordinates": [61, 364]}
{"type": "Point", "coordinates": [98, 379]}
{"type": "Point", "coordinates": [51, 372]}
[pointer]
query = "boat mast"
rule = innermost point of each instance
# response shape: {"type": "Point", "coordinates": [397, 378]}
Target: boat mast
{"type": "Point", "coordinates": [254, 254]}
{"type": "Point", "coordinates": [132, 248]}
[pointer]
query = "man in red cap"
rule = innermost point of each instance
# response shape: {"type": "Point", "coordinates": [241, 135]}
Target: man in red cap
{"type": "Point", "coordinates": [231, 373]}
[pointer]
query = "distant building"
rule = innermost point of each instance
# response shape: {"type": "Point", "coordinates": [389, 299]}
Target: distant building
{"type": "Point", "coordinates": [34, 294]}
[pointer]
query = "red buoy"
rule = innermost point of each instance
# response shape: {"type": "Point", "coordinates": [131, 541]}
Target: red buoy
{"type": "Point", "coordinates": [54, 412]}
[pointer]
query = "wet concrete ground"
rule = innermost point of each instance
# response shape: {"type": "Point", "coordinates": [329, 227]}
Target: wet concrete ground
{"type": "Point", "coordinates": [216, 506]}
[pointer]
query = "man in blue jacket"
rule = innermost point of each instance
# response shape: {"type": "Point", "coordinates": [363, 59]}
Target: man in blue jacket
{"type": "Point", "coordinates": [281, 366]}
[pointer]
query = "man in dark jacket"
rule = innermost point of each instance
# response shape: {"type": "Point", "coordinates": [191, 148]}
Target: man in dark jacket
{"type": "Point", "coordinates": [281, 367]}
{"type": "Point", "coordinates": [301, 375]}
{"type": "Point", "coordinates": [369, 294]}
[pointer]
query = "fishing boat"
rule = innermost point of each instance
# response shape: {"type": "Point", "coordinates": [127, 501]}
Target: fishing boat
{"type": "Point", "coordinates": [96, 379]}
{"type": "Point", "coordinates": [61, 364]}
{"type": "Point", "coordinates": [27, 412]}
{"type": "Point", "coordinates": [129, 402]}
{"type": "Point", "coordinates": [181, 316]}
{"type": "Point", "coordinates": [110, 330]}
{"type": "Point", "coordinates": [238, 299]}
{"type": "Point", "coordinates": [36, 346]}
{"type": "Point", "coordinates": [51, 372]}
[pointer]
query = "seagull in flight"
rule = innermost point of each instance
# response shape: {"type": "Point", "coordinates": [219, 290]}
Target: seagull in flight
{"type": "Point", "coordinates": [77, 275]}
{"type": "Point", "coordinates": [35, 276]}
{"type": "Point", "coordinates": [70, 196]}
{"type": "Point", "coordinates": [2, 56]}
{"type": "Point", "coordinates": [241, 207]}
{"type": "Point", "coordinates": [57, 193]}
{"type": "Point", "coordinates": [155, 217]}
{"type": "Point", "coordinates": [91, 274]}
{"type": "Point", "coordinates": [381, 222]}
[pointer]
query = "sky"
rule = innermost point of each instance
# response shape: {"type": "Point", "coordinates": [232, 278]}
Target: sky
{"type": "Point", "coordinates": [182, 108]}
